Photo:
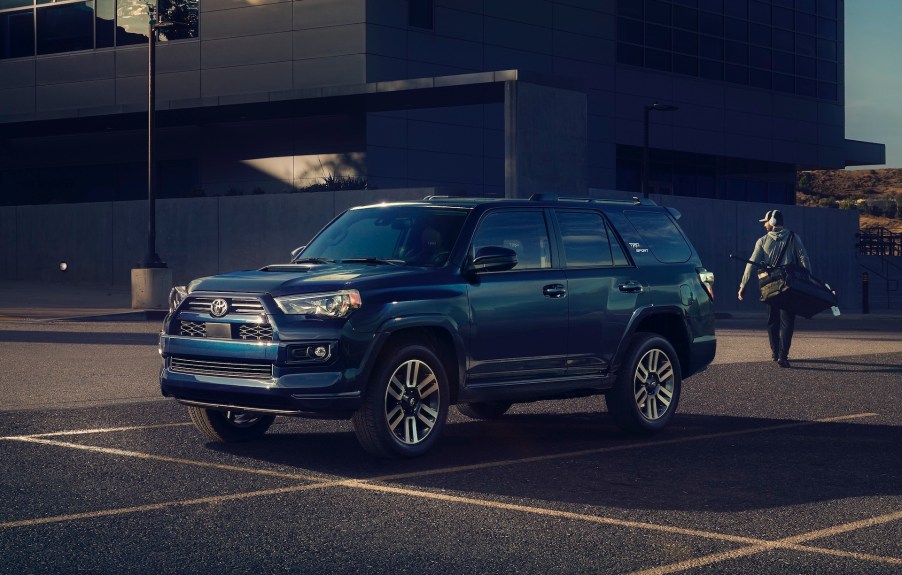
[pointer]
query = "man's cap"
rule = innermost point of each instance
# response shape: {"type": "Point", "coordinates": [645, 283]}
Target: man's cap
{"type": "Point", "coordinates": [775, 214]}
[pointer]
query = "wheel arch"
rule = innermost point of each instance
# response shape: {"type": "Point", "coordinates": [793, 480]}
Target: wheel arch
{"type": "Point", "coordinates": [667, 322]}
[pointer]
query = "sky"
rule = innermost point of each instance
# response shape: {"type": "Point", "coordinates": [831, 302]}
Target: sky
{"type": "Point", "coordinates": [873, 50]}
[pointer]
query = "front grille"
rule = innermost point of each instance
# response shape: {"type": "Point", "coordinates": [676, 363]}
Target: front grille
{"type": "Point", "coordinates": [259, 332]}
{"type": "Point", "coordinates": [193, 328]}
{"type": "Point", "coordinates": [238, 305]}
{"type": "Point", "coordinates": [244, 370]}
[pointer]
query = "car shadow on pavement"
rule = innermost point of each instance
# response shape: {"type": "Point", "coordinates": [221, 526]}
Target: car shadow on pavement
{"type": "Point", "coordinates": [835, 365]}
{"type": "Point", "coordinates": [716, 463]}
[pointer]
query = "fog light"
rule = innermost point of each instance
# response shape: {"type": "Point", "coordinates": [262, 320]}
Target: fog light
{"type": "Point", "coordinates": [64, 266]}
{"type": "Point", "coordinates": [321, 352]}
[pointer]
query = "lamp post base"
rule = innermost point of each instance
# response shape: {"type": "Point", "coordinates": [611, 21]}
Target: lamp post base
{"type": "Point", "coordinates": [150, 288]}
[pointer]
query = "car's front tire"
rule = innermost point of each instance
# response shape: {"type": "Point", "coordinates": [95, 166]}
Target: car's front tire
{"type": "Point", "coordinates": [229, 426]}
{"type": "Point", "coordinates": [647, 391]}
{"type": "Point", "coordinates": [405, 404]}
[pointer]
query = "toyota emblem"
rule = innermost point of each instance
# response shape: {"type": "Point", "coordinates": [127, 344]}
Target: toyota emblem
{"type": "Point", "coordinates": [219, 307]}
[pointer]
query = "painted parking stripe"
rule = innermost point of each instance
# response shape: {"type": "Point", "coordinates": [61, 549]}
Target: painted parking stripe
{"type": "Point", "coordinates": [152, 457]}
{"type": "Point", "coordinates": [99, 430]}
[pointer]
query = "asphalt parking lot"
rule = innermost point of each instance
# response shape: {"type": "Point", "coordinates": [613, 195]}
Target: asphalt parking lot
{"type": "Point", "coordinates": [764, 471]}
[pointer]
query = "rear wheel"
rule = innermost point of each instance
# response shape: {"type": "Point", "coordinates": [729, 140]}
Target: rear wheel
{"type": "Point", "coordinates": [405, 405]}
{"type": "Point", "coordinates": [230, 426]}
{"type": "Point", "coordinates": [484, 409]}
{"type": "Point", "coordinates": [647, 390]}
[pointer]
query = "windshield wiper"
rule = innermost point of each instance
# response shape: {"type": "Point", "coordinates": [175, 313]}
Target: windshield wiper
{"type": "Point", "coordinates": [313, 261]}
{"type": "Point", "coordinates": [381, 261]}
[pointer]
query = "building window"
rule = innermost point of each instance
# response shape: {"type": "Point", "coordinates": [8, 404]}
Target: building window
{"type": "Point", "coordinates": [420, 14]}
{"type": "Point", "coordinates": [17, 34]}
{"type": "Point", "coordinates": [65, 28]}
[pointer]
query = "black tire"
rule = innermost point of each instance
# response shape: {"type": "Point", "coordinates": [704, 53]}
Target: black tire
{"type": "Point", "coordinates": [230, 426]}
{"type": "Point", "coordinates": [405, 404]}
{"type": "Point", "coordinates": [484, 409]}
{"type": "Point", "coordinates": [647, 391]}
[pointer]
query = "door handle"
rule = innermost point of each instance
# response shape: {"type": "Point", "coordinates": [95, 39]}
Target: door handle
{"type": "Point", "coordinates": [630, 287]}
{"type": "Point", "coordinates": [554, 291]}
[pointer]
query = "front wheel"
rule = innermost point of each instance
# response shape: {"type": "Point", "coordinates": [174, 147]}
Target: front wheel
{"type": "Point", "coordinates": [647, 390]}
{"type": "Point", "coordinates": [230, 426]}
{"type": "Point", "coordinates": [405, 405]}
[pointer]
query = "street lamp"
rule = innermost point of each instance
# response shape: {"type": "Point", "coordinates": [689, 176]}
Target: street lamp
{"type": "Point", "coordinates": [648, 109]}
{"type": "Point", "coordinates": [151, 259]}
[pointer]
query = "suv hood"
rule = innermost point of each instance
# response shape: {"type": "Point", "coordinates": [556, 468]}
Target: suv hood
{"type": "Point", "coordinates": [285, 279]}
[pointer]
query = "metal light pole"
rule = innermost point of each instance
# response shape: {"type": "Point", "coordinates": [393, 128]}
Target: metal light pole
{"type": "Point", "coordinates": [648, 109]}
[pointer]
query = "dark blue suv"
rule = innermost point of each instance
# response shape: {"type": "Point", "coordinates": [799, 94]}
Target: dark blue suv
{"type": "Point", "coordinates": [394, 312]}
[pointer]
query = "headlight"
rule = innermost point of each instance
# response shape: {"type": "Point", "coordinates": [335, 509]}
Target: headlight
{"type": "Point", "coordinates": [333, 305]}
{"type": "Point", "coordinates": [176, 296]}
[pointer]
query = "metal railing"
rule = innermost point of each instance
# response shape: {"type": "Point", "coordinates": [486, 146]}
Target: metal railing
{"type": "Point", "coordinates": [879, 242]}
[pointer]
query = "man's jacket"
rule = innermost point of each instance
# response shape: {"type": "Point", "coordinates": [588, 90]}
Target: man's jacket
{"type": "Point", "coordinates": [768, 247]}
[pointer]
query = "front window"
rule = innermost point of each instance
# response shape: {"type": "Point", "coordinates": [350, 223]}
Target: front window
{"type": "Point", "coordinates": [411, 235]}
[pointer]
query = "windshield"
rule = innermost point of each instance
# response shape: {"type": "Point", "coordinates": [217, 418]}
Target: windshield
{"type": "Point", "coordinates": [411, 235]}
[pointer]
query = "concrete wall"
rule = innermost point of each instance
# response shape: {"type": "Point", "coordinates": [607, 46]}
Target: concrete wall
{"type": "Point", "coordinates": [102, 242]}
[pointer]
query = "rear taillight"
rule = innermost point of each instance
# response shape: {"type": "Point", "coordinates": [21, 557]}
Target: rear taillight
{"type": "Point", "coordinates": [707, 279]}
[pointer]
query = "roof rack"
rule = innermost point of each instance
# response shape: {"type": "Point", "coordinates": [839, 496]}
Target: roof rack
{"type": "Point", "coordinates": [635, 200]}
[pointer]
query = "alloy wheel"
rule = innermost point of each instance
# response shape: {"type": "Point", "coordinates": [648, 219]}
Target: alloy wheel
{"type": "Point", "coordinates": [412, 402]}
{"type": "Point", "coordinates": [653, 384]}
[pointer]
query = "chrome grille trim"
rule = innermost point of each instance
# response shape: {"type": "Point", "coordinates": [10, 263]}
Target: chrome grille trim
{"type": "Point", "coordinates": [192, 328]}
{"type": "Point", "coordinates": [254, 331]}
{"type": "Point", "coordinates": [237, 305]}
{"type": "Point", "coordinates": [244, 370]}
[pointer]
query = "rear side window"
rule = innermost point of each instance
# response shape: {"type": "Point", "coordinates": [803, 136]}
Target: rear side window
{"type": "Point", "coordinates": [522, 231]}
{"type": "Point", "coordinates": [661, 236]}
{"type": "Point", "coordinates": [585, 239]}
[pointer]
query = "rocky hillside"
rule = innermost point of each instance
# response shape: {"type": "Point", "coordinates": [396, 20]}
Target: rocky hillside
{"type": "Point", "coordinates": [877, 194]}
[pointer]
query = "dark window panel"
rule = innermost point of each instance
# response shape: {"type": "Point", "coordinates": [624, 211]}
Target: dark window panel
{"type": "Point", "coordinates": [826, 28]}
{"type": "Point", "coordinates": [17, 34]}
{"type": "Point", "coordinates": [806, 87]}
{"type": "Point", "coordinates": [105, 23]}
{"type": "Point", "coordinates": [806, 5]}
{"type": "Point", "coordinates": [736, 8]}
{"type": "Point", "coordinates": [759, 34]}
{"type": "Point", "coordinates": [784, 83]}
{"type": "Point", "coordinates": [658, 37]}
{"type": "Point", "coordinates": [657, 12]}
{"type": "Point", "coordinates": [734, 29]}
{"type": "Point", "coordinates": [690, 3]}
{"type": "Point", "coordinates": [710, 47]}
{"type": "Point", "coordinates": [686, 18]}
{"type": "Point", "coordinates": [759, 12]}
{"type": "Point", "coordinates": [805, 45]}
{"type": "Point", "coordinates": [630, 8]}
{"type": "Point", "coordinates": [826, 71]}
{"type": "Point", "coordinates": [784, 3]}
{"type": "Point", "coordinates": [806, 23]}
{"type": "Point", "coordinates": [783, 62]}
{"type": "Point", "coordinates": [710, 70]}
{"type": "Point", "coordinates": [826, 8]}
{"type": "Point", "coordinates": [685, 42]}
{"type": "Point", "coordinates": [183, 12]}
{"type": "Point", "coordinates": [419, 13]}
{"type": "Point", "coordinates": [759, 78]}
{"type": "Point", "coordinates": [10, 4]}
{"type": "Point", "coordinates": [658, 60]}
{"type": "Point", "coordinates": [826, 91]}
{"type": "Point", "coordinates": [131, 22]}
{"type": "Point", "coordinates": [826, 49]}
{"type": "Point", "coordinates": [711, 5]}
{"type": "Point", "coordinates": [736, 52]}
{"type": "Point", "coordinates": [685, 65]}
{"type": "Point", "coordinates": [806, 67]}
{"type": "Point", "coordinates": [783, 40]}
{"type": "Point", "coordinates": [710, 24]}
{"type": "Point", "coordinates": [629, 54]}
{"type": "Point", "coordinates": [64, 28]}
{"type": "Point", "coordinates": [736, 74]}
{"type": "Point", "coordinates": [782, 18]}
{"type": "Point", "coordinates": [759, 57]}
{"type": "Point", "coordinates": [630, 31]}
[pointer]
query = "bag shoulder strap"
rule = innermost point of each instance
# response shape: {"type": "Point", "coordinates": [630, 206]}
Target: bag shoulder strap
{"type": "Point", "coordinates": [776, 263]}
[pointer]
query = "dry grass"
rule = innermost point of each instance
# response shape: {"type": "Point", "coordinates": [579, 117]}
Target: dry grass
{"type": "Point", "coordinates": [820, 187]}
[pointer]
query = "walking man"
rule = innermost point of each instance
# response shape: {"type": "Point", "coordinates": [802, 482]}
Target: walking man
{"type": "Point", "coordinates": [780, 322]}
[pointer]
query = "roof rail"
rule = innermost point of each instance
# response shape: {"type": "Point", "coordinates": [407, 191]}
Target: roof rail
{"type": "Point", "coordinates": [635, 200]}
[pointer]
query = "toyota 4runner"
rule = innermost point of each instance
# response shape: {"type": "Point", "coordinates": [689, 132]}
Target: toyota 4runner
{"type": "Point", "coordinates": [394, 312]}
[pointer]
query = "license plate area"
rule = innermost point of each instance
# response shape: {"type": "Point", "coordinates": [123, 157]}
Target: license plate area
{"type": "Point", "coordinates": [219, 330]}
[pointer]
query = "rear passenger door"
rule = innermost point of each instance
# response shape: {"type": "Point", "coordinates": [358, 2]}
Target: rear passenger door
{"type": "Point", "coordinates": [518, 318]}
{"type": "Point", "coordinates": [603, 287]}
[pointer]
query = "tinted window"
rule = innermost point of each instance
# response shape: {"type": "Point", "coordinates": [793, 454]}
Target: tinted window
{"type": "Point", "coordinates": [585, 239]}
{"type": "Point", "coordinates": [661, 236]}
{"type": "Point", "coordinates": [523, 231]}
{"type": "Point", "coordinates": [65, 28]}
{"type": "Point", "coordinates": [17, 34]}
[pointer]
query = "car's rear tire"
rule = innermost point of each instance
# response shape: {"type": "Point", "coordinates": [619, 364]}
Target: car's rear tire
{"type": "Point", "coordinates": [647, 391]}
{"type": "Point", "coordinates": [230, 426]}
{"type": "Point", "coordinates": [484, 409]}
{"type": "Point", "coordinates": [405, 404]}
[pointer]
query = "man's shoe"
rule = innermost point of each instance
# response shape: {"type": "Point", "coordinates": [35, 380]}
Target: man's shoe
{"type": "Point", "coordinates": [782, 362]}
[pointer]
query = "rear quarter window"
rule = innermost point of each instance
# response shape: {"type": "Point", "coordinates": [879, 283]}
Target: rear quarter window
{"type": "Point", "coordinates": [661, 236]}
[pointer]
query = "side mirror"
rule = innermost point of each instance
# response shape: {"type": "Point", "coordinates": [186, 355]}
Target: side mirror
{"type": "Point", "coordinates": [493, 259]}
{"type": "Point", "coordinates": [296, 252]}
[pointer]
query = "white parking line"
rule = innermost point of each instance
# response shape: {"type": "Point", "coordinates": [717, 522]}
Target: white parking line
{"type": "Point", "coordinates": [98, 430]}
